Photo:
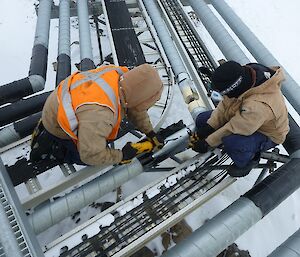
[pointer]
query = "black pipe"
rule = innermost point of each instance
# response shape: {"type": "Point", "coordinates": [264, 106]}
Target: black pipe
{"type": "Point", "coordinates": [39, 61]}
{"type": "Point", "coordinates": [16, 90]}
{"type": "Point", "coordinates": [13, 91]}
{"type": "Point", "coordinates": [22, 108]}
{"type": "Point", "coordinates": [63, 67]}
{"type": "Point", "coordinates": [86, 64]}
{"type": "Point", "coordinates": [26, 126]}
{"type": "Point", "coordinates": [278, 186]}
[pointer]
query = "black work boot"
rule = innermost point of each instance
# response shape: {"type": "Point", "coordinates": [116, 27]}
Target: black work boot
{"type": "Point", "coordinates": [237, 172]}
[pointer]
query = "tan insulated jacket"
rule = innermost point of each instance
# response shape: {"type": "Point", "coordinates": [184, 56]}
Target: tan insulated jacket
{"type": "Point", "coordinates": [96, 122]}
{"type": "Point", "coordinates": [261, 109]}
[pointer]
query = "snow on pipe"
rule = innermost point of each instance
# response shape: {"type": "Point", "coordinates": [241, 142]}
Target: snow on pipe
{"type": "Point", "coordinates": [86, 54]}
{"type": "Point", "coordinates": [223, 229]}
{"type": "Point", "coordinates": [290, 248]}
{"type": "Point", "coordinates": [290, 88]}
{"type": "Point", "coordinates": [18, 130]}
{"type": "Point", "coordinates": [22, 108]}
{"type": "Point", "coordinates": [51, 213]}
{"type": "Point", "coordinates": [38, 67]}
{"type": "Point", "coordinates": [63, 58]}
{"type": "Point", "coordinates": [186, 86]}
{"type": "Point", "coordinates": [220, 35]}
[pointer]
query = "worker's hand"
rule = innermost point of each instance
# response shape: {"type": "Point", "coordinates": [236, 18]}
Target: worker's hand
{"type": "Point", "coordinates": [128, 153]}
{"type": "Point", "coordinates": [198, 145]}
{"type": "Point", "coordinates": [156, 140]}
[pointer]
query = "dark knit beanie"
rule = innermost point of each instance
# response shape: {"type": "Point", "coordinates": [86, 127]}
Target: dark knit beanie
{"type": "Point", "coordinates": [231, 79]}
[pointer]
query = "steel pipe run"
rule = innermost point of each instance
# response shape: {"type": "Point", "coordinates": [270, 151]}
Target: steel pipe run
{"type": "Point", "coordinates": [186, 85]}
{"type": "Point", "coordinates": [290, 248]}
{"type": "Point", "coordinates": [22, 108]}
{"type": "Point", "coordinates": [86, 54]}
{"type": "Point", "coordinates": [290, 88]}
{"type": "Point", "coordinates": [38, 67]}
{"type": "Point", "coordinates": [63, 58]}
{"type": "Point", "coordinates": [53, 212]}
{"type": "Point", "coordinates": [19, 129]}
{"type": "Point", "coordinates": [220, 35]}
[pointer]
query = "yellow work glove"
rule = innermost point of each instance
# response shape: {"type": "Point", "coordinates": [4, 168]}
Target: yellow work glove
{"type": "Point", "coordinates": [156, 140]}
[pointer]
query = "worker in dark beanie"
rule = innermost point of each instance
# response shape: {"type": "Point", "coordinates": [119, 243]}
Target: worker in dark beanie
{"type": "Point", "coordinates": [251, 118]}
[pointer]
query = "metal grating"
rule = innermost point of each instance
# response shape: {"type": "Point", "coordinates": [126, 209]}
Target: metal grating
{"type": "Point", "coordinates": [15, 228]}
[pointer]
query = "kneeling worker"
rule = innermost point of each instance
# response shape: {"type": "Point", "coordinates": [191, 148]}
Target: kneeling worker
{"type": "Point", "coordinates": [251, 118]}
{"type": "Point", "coordinates": [84, 113]}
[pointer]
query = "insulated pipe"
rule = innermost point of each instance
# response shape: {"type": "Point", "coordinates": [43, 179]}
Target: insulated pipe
{"type": "Point", "coordinates": [18, 130]}
{"type": "Point", "coordinates": [290, 248]}
{"type": "Point", "coordinates": [86, 54]}
{"type": "Point", "coordinates": [38, 67]}
{"type": "Point", "coordinates": [290, 88]}
{"type": "Point", "coordinates": [223, 229]}
{"type": "Point", "coordinates": [51, 213]}
{"type": "Point", "coordinates": [22, 108]}
{"type": "Point", "coordinates": [186, 86]}
{"type": "Point", "coordinates": [220, 35]}
{"type": "Point", "coordinates": [63, 58]}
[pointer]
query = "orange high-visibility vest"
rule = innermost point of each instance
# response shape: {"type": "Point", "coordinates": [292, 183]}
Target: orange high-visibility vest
{"type": "Point", "coordinates": [99, 86]}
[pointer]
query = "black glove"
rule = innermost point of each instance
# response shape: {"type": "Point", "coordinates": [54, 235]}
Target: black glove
{"type": "Point", "coordinates": [155, 139]}
{"type": "Point", "coordinates": [205, 131]}
{"type": "Point", "coordinates": [128, 153]}
{"type": "Point", "coordinates": [200, 146]}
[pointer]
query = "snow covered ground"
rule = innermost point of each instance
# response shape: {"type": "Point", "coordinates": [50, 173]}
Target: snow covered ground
{"type": "Point", "coordinates": [274, 22]}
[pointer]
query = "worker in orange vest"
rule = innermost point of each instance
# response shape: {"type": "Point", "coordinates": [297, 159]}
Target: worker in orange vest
{"type": "Point", "coordinates": [85, 111]}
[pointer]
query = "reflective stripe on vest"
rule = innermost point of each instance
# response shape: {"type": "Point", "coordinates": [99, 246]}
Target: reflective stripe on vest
{"type": "Point", "coordinates": [66, 99]}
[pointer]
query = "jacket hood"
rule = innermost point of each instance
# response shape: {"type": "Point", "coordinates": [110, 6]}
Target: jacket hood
{"type": "Point", "coordinates": [140, 87]}
{"type": "Point", "coordinates": [270, 86]}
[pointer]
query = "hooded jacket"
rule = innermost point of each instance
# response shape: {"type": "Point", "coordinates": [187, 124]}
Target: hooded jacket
{"type": "Point", "coordinates": [139, 89]}
{"type": "Point", "coordinates": [261, 108]}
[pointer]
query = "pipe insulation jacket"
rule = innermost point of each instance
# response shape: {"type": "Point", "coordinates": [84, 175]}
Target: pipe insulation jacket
{"type": "Point", "coordinates": [51, 213]}
{"type": "Point", "coordinates": [64, 42]}
{"type": "Point", "coordinates": [290, 88]}
{"type": "Point", "coordinates": [86, 54]}
{"type": "Point", "coordinates": [220, 35]}
{"type": "Point", "coordinates": [35, 81]}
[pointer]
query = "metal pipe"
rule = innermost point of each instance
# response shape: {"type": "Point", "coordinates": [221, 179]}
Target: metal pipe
{"type": "Point", "coordinates": [38, 67]}
{"type": "Point", "coordinates": [223, 229]}
{"type": "Point", "coordinates": [86, 54]}
{"type": "Point", "coordinates": [22, 108]}
{"type": "Point", "coordinates": [51, 213]}
{"type": "Point", "coordinates": [186, 85]}
{"type": "Point", "coordinates": [63, 58]}
{"type": "Point", "coordinates": [290, 88]}
{"type": "Point", "coordinates": [19, 129]}
{"type": "Point", "coordinates": [220, 35]}
{"type": "Point", "coordinates": [290, 248]}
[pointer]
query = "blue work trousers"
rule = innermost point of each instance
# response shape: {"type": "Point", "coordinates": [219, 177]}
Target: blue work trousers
{"type": "Point", "coordinates": [241, 149]}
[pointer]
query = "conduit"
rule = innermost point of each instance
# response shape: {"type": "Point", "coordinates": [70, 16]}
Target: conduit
{"type": "Point", "coordinates": [220, 35]}
{"type": "Point", "coordinates": [63, 58]}
{"type": "Point", "coordinates": [86, 54]}
{"type": "Point", "coordinates": [290, 88]}
{"type": "Point", "coordinates": [195, 102]}
{"type": "Point", "coordinates": [38, 67]}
